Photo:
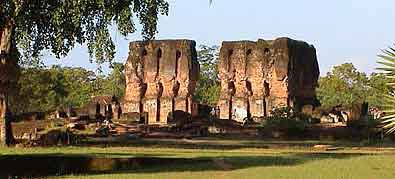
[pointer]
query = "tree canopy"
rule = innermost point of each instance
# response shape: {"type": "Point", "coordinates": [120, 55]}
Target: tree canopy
{"type": "Point", "coordinates": [345, 86]}
{"type": "Point", "coordinates": [57, 25]}
{"type": "Point", "coordinates": [208, 86]}
{"type": "Point", "coordinates": [48, 89]}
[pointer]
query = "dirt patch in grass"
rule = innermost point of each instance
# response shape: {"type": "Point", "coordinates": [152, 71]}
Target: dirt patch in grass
{"type": "Point", "coordinates": [222, 164]}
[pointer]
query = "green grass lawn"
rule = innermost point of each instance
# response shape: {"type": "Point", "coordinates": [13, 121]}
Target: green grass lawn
{"type": "Point", "coordinates": [250, 159]}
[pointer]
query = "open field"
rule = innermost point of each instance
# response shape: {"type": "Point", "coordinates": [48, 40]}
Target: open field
{"type": "Point", "coordinates": [221, 159]}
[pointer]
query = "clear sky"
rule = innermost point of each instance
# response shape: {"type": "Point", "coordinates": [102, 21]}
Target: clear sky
{"type": "Point", "coordinates": [341, 30]}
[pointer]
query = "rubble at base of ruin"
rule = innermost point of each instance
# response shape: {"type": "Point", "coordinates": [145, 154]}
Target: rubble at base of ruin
{"type": "Point", "coordinates": [161, 76]}
{"type": "Point", "coordinates": [259, 76]}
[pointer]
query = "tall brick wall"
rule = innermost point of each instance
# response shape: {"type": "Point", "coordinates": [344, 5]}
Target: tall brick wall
{"type": "Point", "coordinates": [161, 77]}
{"type": "Point", "coordinates": [258, 76]}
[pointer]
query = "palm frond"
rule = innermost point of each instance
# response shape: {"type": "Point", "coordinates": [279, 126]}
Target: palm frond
{"type": "Point", "coordinates": [389, 118]}
{"type": "Point", "coordinates": [387, 60]}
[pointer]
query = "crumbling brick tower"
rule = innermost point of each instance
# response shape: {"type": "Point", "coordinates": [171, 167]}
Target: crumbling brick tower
{"type": "Point", "coordinates": [161, 76]}
{"type": "Point", "coordinates": [258, 76]}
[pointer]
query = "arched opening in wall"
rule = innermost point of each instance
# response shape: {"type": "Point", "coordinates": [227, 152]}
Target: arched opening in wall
{"type": "Point", "coordinates": [266, 87]}
{"type": "Point", "coordinates": [266, 51]}
{"type": "Point", "coordinates": [157, 110]}
{"type": "Point", "coordinates": [158, 59]}
{"type": "Point", "coordinates": [232, 90]}
{"type": "Point", "coordinates": [109, 112]}
{"type": "Point", "coordinates": [229, 60]}
{"type": "Point", "coordinates": [158, 103]}
{"type": "Point", "coordinates": [141, 107]}
{"type": "Point", "coordinates": [249, 52]}
{"type": "Point", "coordinates": [173, 104]}
{"type": "Point", "coordinates": [248, 59]}
{"type": "Point", "coordinates": [143, 61]}
{"type": "Point", "coordinates": [230, 112]}
{"type": "Point", "coordinates": [119, 112]}
{"type": "Point", "coordinates": [143, 56]}
{"type": "Point", "coordinates": [249, 91]}
{"type": "Point", "coordinates": [178, 58]}
{"type": "Point", "coordinates": [249, 87]}
{"type": "Point", "coordinates": [143, 52]}
{"type": "Point", "coordinates": [97, 108]}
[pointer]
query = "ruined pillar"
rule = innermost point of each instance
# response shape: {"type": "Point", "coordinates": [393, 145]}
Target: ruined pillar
{"type": "Point", "coordinates": [134, 75]}
{"type": "Point", "coordinates": [169, 71]}
{"type": "Point", "coordinates": [240, 103]}
{"type": "Point", "coordinates": [187, 76]}
{"type": "Point", "coordinates": [236, 87]}
{"type": "Point", "coordinates": [256, 59]}
{"type": "Point", "coordinates": [227, 84]}
{"type": "Point", "coordinates": [154, 91]}
{"type": "Point", "coordinates": [278, 74]}
{"type": "Point", "coordinates": [167, 75]}
{"type": "Point", "coordinates": [294, 74]}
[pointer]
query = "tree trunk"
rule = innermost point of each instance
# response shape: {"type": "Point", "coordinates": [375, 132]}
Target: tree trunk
{"type": "Point", "coordinates": [8, 67]}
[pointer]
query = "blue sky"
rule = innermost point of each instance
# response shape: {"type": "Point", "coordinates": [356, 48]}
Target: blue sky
{"type": "Point", "coordinates": [341, 30]}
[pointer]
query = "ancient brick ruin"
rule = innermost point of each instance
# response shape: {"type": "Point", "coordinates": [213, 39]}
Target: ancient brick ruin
{"type": "Point", "coordinates": [258, 76]}
{"type": "Point", "coordinates": [161, 77]}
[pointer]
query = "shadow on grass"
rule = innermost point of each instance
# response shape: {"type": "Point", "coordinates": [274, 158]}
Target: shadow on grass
{"type": "Point", "coordinates": [42, 165]}
{"type": "Point", "coordinates": [226, 144]}
{"type": "Point", "coordinates": [177, 144]}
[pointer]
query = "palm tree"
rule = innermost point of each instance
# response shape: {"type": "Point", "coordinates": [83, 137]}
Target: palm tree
{"type": "Point", "coordinates": [387, 60]}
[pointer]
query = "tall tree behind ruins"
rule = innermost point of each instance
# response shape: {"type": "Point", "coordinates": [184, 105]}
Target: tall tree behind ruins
{"type": "Point", "coordinates": [208, 87]}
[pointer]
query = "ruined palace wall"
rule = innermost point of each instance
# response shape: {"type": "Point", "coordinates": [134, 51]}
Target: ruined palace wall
{"type": "Point", "coordinates": [161, 77]}
{"type": "Point", "coordinates": [303, 73]}
{"type": "Point", "coordinates": [259, 76]}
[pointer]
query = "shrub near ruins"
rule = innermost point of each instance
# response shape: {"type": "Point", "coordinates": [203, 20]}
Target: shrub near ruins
{"type": "Point", "coordinates": [284, 122]}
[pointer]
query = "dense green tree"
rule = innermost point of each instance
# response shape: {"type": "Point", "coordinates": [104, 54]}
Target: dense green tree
{"type": "Point", "coordinates": [208, 86]}
{"type": "Point", "coordinates": [79, 86]}
{"type": "Point", "coordinates": [57, 25]}
{"type": "Point", "coordinates": [115, 81]}
{"type": "Point", "coordinates": [49, 89]}
{"type": "Point", "coordinates": [344, 86]}
{"type": "Point", "coordinates": [39, 89]}
{"type": "Point", "coordinates": [377, 87]}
